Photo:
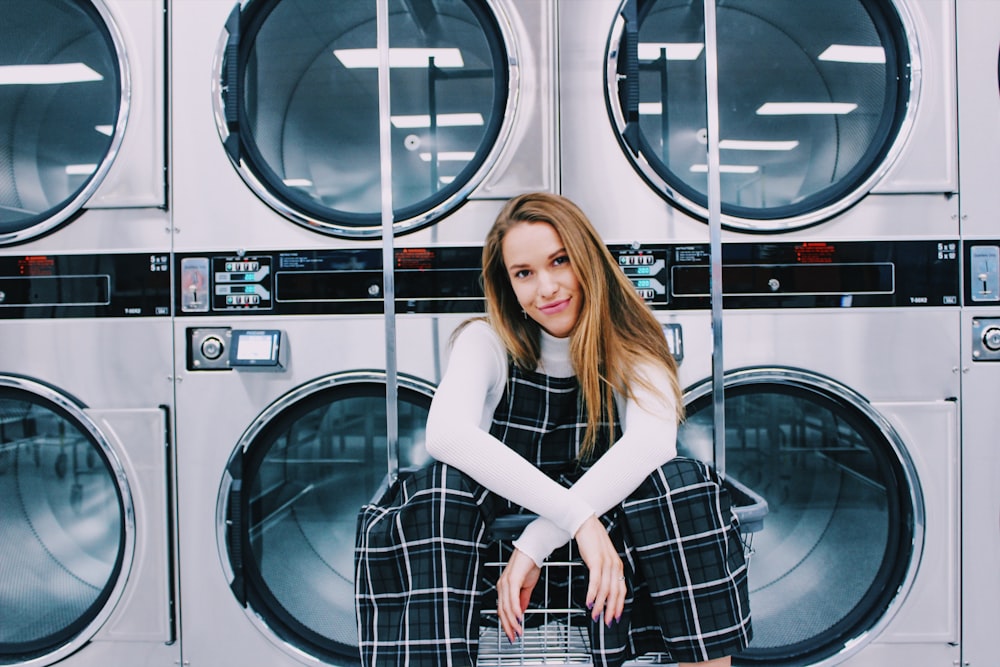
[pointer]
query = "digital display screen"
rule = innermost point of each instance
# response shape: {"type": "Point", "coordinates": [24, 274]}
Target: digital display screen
{"type": "Point", "coordinates": [255, 348]}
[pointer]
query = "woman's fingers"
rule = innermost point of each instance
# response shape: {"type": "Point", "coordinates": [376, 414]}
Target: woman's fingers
{"type": "Point", "coordinates": [514, 589]}
{"type": "Point", "coordinates": [606, 589]}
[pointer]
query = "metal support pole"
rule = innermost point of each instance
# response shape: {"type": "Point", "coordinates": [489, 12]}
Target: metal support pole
{"type": "Point", "coordinates": [715, 234]}
{"type": "Point", "coordinates": [388, 252]}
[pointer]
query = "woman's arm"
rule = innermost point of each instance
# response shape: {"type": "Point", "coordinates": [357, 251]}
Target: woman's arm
{"type": "Point", "coordinates": [649, 439]}
{"type": "Point", "coordinates": [456, 434]}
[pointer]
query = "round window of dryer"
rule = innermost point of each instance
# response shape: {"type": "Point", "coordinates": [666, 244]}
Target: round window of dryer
{"type": "Point", "coordinates": [64, 99]}
{"type": "Point", "coordinates": [299, 107]}
{"type": "Point", "coordinates": [814, 103]}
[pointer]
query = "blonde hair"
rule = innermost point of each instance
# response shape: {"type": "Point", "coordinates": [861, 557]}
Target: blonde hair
{"type": "Point", "coordinates": [615, 332]}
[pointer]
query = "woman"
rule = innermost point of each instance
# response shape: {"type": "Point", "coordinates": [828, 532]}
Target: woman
{"type": "Point", "coordinates": [568, 362]}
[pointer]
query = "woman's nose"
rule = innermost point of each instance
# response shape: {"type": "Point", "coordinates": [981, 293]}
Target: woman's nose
{"type": "Point", "coordinates": [547, 284]}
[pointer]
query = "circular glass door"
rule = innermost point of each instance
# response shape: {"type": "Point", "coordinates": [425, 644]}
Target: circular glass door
{"type": "Point", "coordinates": [299, 107]}
{"type": "Point", "coordinates": [815, 100]}
{"type": "Point", "coordinates": [63, 104]}
{"type": "Point", "coordinates": [67, 535]}
{"type": "Point", "coordinates": [296, 483]}
{"type": "Point", "coordinates": [843, 535]}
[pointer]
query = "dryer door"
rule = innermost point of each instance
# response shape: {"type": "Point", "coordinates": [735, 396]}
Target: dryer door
{"type": "Point", "coordinates": [298, 107]}
{"type": "Point", "coordinates": [843, 536]}
{"type": "Point", "coordinates": [815, 101]}
{"type": "Point", "coordinates": [68, 524]}
{"type": "Point", "coordinates": [64, 99]}
{"type": "Point", "coordinates": [288, 507]}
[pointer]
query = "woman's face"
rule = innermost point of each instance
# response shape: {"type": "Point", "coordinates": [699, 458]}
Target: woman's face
{"type": "Point", "coordinates": [543, 280]}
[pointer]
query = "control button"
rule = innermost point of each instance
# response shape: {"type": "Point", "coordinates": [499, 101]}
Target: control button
{"type": "Point", "coordinates": [212, 348]}
{"type": "Point", "coordinates": [774, 284]}
{"type": "Point", "coordinates": [991, 339]}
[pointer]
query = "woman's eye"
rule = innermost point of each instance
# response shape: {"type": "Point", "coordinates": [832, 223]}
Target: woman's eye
{"type": "Point", "coordinates": [564, 259]}
{"type": "Point", "coordinates": [523, 273]}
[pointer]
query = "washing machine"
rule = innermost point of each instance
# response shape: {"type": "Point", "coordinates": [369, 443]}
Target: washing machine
{"type": "Point", "coordinates": [276, 117]}
{"type": "Point", "coordinates": [82, 106]}
{"type": "Point", "coordinates": [282, 436]}
{"type": "Point", "coordinates": [840, 389]}
{"type": "Point", "coordinates": [836, 121]}
{"type": "Point", "coordinates": [979, 114]}
{"type": "Point", "coordinates": [86, 548]}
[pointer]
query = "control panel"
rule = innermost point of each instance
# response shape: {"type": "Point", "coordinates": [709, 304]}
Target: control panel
{"type": "Point", "coordinates": [668, 277]}
{"type": "Point", "coordinates": [102, 285]}
{"type": "Point", "coordinates": [334, 281]}
{"type": "Point", "coordinates": [224, 348]}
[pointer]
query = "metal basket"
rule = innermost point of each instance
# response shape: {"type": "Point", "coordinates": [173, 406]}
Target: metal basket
{"type": "Point", "coordinates": [556, 635]}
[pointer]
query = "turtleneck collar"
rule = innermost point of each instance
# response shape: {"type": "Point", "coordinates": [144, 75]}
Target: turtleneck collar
{"type": "Point", "coordinates": [555, 356]}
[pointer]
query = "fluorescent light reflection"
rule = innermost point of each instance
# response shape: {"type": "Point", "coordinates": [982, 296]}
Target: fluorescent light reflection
{"type": "Point", "coordinates": [449, 156]}
{"type": "Point", "coordinates": [443, 120]}
{"type": "Point", "coordinates": [745, 145]}
{"type": "Point", "coordinates": [727, 168]}
{"type": "Point", "coordinates": [650, 108]}
{"type": "Point", "coordinates": [675, 51]}
{"type": "Point", "coordinates": [399, 58]}
{"type": "Point", "coordinates": [47, 74]}
{"type": "Point", "coordinates": [845, 53]}
{"type": "Point", "coordinates": [445, 180]}
{"type": "Point", "coordinates": [106, 130]}
{"type": "Point", "coordinates": [298, 182]}
{"type": "Point", "coordinates": [805, 108]}
{"type": "Point", "coordinates": [80, 169]}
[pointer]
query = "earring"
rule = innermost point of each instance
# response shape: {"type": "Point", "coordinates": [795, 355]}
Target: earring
{"type": "Point", "coordinates": [524, 314]}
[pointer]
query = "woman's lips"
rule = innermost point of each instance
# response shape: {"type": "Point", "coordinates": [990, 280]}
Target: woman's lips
{"type": "Point", "coordinates": [554, 308]}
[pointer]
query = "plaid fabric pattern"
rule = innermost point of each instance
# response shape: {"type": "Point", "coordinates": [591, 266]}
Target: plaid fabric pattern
{"type": "Point", "coordinates": [417, 561]}
{"type": "Point", "coordinates": [419, 581]}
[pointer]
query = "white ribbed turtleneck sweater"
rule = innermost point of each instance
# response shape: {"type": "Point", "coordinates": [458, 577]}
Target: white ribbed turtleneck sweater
{"type": "Point", "coordinates": [458, 434]}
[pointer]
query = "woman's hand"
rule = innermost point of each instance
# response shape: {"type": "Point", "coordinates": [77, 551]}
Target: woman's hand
{"type": "Point", "coordinates": [606, 591]}
{"type": "Point", "coordinates": [514, 589]}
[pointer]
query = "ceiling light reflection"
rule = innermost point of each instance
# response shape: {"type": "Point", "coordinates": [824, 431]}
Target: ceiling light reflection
{"type": "Point", "coordinates": [443, 120]}
{"type": "Point", "coordinates": [727, 168]}
{"type": "Point", "coordinates": [80, 169]}
{"type": "Point", "coordinates": [400, 58]}
{"type": "Point", "coordinates": [449, 156]}
{"type": "Point", "coordinates": [47, 74]}
{"type": "Point", "coordinates": [845, 53]}
{"type": "Point", "coordinates": [674, 51]}
{"type": "Point", "coordinates": [805, 108]}
{"type": "Point", "coordinates": [748, 145]}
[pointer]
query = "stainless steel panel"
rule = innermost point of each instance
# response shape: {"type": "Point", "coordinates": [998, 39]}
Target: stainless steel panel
{"type": "Point", "coordinates": [979, 116]}
{"type": "Point", "coordinates": [980, 462]}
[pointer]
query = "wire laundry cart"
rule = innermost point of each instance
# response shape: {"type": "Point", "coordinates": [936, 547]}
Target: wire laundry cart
{"type": "Point", "coordinates": [556, 633]}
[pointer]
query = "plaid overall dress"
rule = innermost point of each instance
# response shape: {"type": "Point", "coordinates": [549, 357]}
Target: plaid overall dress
{"type": "Point", "coordinates": [419, 581]}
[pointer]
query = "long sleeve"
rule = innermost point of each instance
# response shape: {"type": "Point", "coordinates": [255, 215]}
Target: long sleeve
{"type": "Point", "coordinates": [649, 440]}
{"type": "Point", "coordinates": [457, 433]}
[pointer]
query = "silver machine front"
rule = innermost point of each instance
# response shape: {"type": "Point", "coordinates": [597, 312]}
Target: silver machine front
{"type": "Point", "coordinates": [979, 109]}
{"type": "Point", "coordinates": [86, 555]}
{"type": "Point", "coordinates": [280, 246]}
{"type": "Point", "coordinates": [86, 543]}
{"type": "Point", "coordinates": [835, 163]}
